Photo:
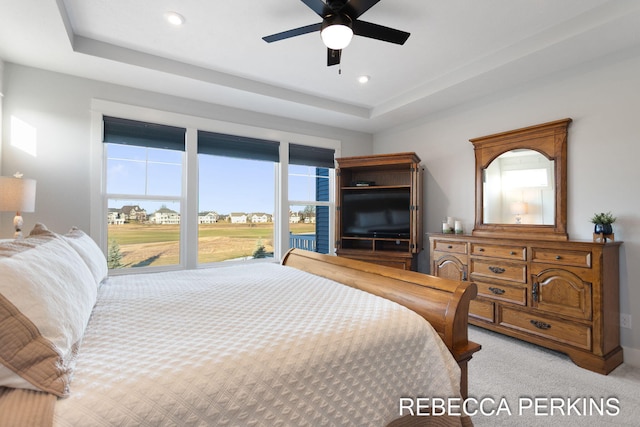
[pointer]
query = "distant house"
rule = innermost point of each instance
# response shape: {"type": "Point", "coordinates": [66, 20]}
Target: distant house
{"type": "Point", "coordinates": [134, 213]}
{"type": "Point", "coordinates": [260, 217]}
{"type": "Point", "coordinates": [238, 218]}
{"type": "Point", "coordinates": [115, 217]}
{"type": "Point", "coordinates": [309, 218]}
{"type": "Point", "coordinates": [165, 216]}
{"type": "Point", "coordinates": [294, 217]}
{"type": "Point", "coordinates": [209, 217]}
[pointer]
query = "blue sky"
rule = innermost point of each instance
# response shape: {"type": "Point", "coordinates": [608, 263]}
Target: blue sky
{"type": "Point", "coordinates": [226, 184]}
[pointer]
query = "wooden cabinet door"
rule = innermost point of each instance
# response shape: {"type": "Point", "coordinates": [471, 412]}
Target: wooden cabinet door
{"type": "Point", "coordinates": [449, 267]}
{"type": "Point", "coordinates": [559, 291]}
{"type": "Point", "coordinates": [417, 206]}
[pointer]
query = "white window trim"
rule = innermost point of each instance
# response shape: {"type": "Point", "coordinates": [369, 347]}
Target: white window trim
{"type": "Point", "coordinates": [189, 198]}
{"type": "Point", "coordinates": [331, 204]}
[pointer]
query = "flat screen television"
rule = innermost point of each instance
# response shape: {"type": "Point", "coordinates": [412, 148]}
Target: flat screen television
{"type": "Point", "coordinates": [376, 212]}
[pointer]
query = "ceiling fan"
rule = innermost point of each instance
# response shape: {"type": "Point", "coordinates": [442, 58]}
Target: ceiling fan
{"type": "Point", "coordinates": [339, 24]}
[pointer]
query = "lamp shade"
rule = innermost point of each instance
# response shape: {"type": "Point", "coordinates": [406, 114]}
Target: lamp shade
{"type": "Point", "coordinates": [17, 194]}
{"type": "Point", "coordinates": [518, 208]}
{"type": "Point", "coordinates": [336, 37]}
{"type": "Point", "coordinates": [336, 32]}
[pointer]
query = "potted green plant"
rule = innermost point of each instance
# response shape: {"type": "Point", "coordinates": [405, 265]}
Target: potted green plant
{"type": "Point", "coordinates": [603, 222]}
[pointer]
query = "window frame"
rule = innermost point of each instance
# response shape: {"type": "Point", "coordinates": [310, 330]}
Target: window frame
{"type": "Point", "coordinates": [181, 199]}
{"type": "Point", "coordinates": [330, 204]}
{"type": "Point", "coordinates": [190, 176]}
{"type": "Point", "coordinates": [214, 263]}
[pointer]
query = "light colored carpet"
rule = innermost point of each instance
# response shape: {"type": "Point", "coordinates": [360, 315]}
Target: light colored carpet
{"type": "Point", "coordinates": [513, 373]}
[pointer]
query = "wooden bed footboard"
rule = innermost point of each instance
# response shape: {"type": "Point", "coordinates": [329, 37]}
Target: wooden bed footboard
{"type": "Point", "coordinates": [443, 303]}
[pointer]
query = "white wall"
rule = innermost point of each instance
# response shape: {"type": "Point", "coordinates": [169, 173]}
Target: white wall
{"type": "Point", "coordinates": [603, 158]}
{"type": "Point", "coordinates": [1, 103]}
{"type": "Point", "coordinates": [2, 220]}
{"type": "Point", "coordinates": [58, 106]}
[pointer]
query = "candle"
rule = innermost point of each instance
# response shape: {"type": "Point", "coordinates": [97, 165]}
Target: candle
{"type": "Point", "coordinates": [451, 222]}
{"type": "Point", "coordinates": [458, 227]}
{"type": "Point", "coordinates": [445, 227]}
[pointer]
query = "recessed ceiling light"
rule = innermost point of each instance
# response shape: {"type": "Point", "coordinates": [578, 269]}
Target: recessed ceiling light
{"type": "Point", "coordinates": [363, 79]}
{"type": "Point", "coordinates": [174, 18]}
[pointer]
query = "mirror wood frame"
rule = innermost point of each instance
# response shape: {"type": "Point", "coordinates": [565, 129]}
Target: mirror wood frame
{"type": "Point", "coordinates": [549, 139]}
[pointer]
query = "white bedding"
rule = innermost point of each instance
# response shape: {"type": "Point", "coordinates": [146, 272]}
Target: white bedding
{"type": "Point", "coordinates": [261, 345]}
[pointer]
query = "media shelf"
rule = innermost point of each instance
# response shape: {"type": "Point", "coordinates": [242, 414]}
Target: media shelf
{"type": "Point", "coordinates": [375, 187]}
{"type": "Point", "coordinates": [375, 244]}
{"type": "Point", "coordinates": [379, 208]}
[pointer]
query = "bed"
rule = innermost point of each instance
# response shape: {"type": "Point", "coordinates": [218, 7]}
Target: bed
{"type": "Point", "coordinates": [264, 344]}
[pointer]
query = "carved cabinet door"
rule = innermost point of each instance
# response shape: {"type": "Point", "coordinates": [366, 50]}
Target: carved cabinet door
{"type": "Point", "coordinates": [450, 267]}
{"type": "Point", "coordinates": [560, 291]}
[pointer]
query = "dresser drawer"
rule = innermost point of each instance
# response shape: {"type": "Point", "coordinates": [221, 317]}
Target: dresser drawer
{"type": "Point", "coordinates": [565, 332]}
{"type": "Point", "coordinates": [512, 294]}
{"type": "Point", "coordinates": [562, 257]}
{"type": "Point", "coordinates": [450, 246]}
{"type": "Point", "coordinates": [500, 251]}
{"type": "Point", "coordinates": [482, 310]}
{"type": "Point", "coordinates": [497, 269]}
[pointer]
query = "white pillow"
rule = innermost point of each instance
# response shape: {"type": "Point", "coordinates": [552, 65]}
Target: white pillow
{"type": "Point", "coordinates": [89, 252]}
{"type": "Point", "coordinates": [45, 304]}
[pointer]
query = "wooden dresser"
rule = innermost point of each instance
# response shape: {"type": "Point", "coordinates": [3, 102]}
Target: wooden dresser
{"type": "Point", "coordinates": [562, 295]}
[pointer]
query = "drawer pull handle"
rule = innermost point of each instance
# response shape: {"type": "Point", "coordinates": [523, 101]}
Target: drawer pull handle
{"type": "Point", "coordinates": [558, 257]}
{"type": "Point", "coordinates": [512, 253]}
{"type": "Point", "coordinates": [497, 270]}
{"type": "Point", "coordinates": [534, 291]}
{"type": "Point", "coordinates": [481, 250]}
{"type": "Point", "coordinates": [449, 247]}
{"type": "Point", "coordinates": [496, 291]}
{"type": "Point", "coordinates": [540, 325]}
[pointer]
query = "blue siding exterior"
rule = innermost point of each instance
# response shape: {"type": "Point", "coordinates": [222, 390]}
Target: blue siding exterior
{"type": "Point", "coordinates": [322, 212]}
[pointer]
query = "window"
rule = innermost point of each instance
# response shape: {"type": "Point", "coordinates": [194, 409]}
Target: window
{"type": "Point", "coordinates": [236, 197]}
{"type": "Point", "coordinates": [524, 178]}
{"type": "Point", "coordinates": [310, 184]}
{"type": "Point", "coordinates": [174, 197]}
{"type": "Point", "coordinates": [144, 164]}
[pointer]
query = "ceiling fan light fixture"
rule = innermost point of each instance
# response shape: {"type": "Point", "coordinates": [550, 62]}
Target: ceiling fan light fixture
{"type": "Point", "coordinates": [336, 31]}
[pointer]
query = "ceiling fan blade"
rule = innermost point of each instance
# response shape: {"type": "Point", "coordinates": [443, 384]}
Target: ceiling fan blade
{"type": "Point", "coordinates": [318, 6]}
{"type": "Point", "coordinates": [333, 57]}
{"type": "Point", "coordinates": [292, 33]}
{"type": "Point", "coordinates": [379, 32]}
{"type": "Point", "coordinates": [355, 8]}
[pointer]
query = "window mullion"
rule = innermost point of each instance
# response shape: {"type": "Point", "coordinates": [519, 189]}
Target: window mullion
{"type": "Point", "coordinates": [282, 203]}
{"type": "Point", "coordinates": [142, 197]}
{"type": "Point", "coordinates": [190, 205]}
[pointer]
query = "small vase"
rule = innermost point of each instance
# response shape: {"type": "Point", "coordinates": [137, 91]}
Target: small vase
{"type": "Point", "coordinates": [603, 229]}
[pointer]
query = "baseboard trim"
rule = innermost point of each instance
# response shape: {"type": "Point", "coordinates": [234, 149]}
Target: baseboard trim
{"type": "Point", "coordinates": [631, 356]}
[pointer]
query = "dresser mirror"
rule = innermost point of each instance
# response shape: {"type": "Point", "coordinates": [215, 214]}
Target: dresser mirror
{"type": "Point", "coordinates": [521, 182]}
{"type": "Point", "coordinates": [519, 188]}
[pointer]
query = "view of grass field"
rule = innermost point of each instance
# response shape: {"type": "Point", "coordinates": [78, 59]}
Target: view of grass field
{"type": "Point", "coordinates": [142, 245]}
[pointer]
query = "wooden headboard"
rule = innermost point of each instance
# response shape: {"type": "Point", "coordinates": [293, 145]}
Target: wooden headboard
{"type": "Point", "coordinates": [443, 303]}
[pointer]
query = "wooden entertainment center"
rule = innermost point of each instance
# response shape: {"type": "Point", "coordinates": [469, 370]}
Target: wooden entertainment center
{"type": "Point", "coordinates": [379, 209]}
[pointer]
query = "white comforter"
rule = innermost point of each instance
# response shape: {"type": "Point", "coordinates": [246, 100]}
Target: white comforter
{"type": "Point", "coordinates": [261, 345]}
